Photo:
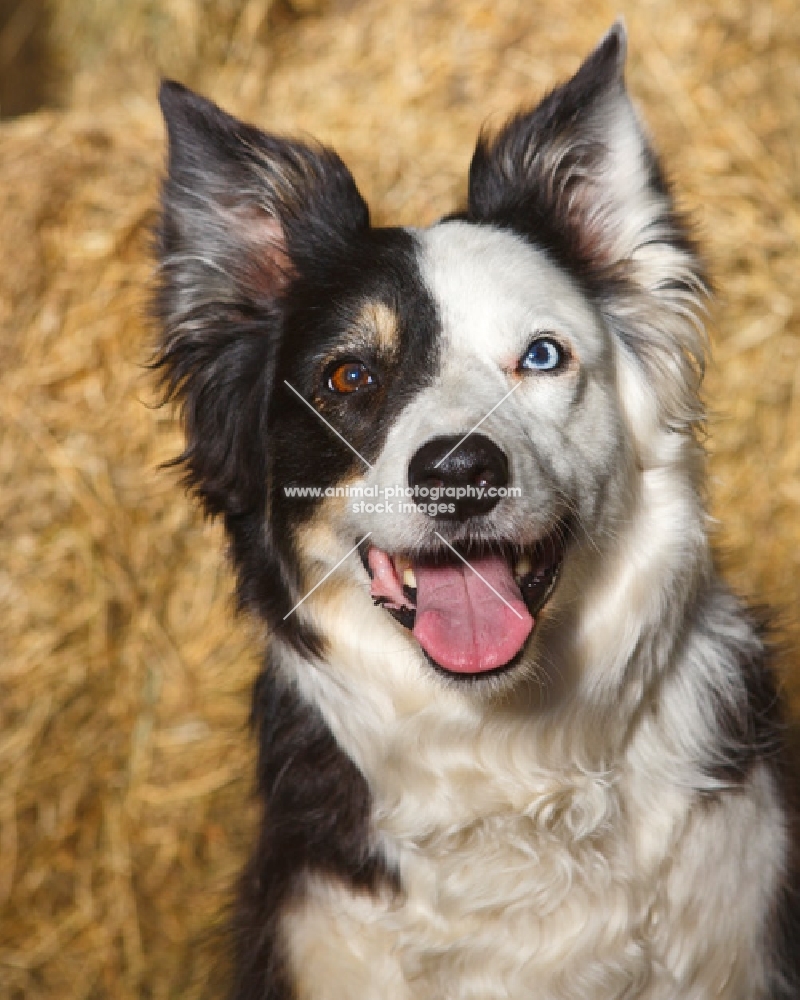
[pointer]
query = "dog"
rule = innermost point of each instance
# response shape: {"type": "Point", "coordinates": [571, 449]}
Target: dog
{"type": "Point", "coordinates": [517, 739]}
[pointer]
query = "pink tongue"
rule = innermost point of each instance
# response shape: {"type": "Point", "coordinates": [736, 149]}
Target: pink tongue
{"type": "Point", "coordinates": [461, 623]}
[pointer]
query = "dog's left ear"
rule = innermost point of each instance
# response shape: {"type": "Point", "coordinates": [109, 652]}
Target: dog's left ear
{"type": "Point", "coordinates": [578, 176]}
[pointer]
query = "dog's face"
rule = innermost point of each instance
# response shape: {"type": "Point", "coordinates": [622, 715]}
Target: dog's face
{"type": "Point", "coordinates": [473, 405]}
{"type": "Point", "coordinates": [515, 350]}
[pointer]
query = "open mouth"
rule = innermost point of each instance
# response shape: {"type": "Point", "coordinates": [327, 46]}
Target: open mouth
{"type": "Point", "coordinates": [471, 615]}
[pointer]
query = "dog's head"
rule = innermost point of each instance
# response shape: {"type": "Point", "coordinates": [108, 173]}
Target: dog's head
{"type": "Point", "coordinates": [472, 409]}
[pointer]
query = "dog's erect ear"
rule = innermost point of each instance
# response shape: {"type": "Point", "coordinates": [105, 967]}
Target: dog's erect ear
{"type": "Point", "coordinates": [578, 176]}
{"type": "Point", "coordinates": [238, 202]}
{"type": "Point", "coordinates": [243, 212]}
{"type": "Point", "coordinates": [577, 171]}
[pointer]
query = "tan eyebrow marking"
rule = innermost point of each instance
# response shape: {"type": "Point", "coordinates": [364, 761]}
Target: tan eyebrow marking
{"type": "Point", "coordinates": [379, 321]}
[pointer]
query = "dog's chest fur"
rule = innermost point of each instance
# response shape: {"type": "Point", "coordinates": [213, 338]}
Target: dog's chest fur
{"type": "Point", "coordinates": [524, 881]}
{"type": "Point", "coordinates": [510, 907]}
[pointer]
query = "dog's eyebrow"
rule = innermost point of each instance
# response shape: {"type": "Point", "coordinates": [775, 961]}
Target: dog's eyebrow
{"type": "Point", "coordinates": [372, 325]}
{"type": "Point", "coordinates": [376, 317]}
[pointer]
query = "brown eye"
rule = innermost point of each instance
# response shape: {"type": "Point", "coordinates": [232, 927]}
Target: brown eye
{"type": "Point", "coordinates": [350, 376]}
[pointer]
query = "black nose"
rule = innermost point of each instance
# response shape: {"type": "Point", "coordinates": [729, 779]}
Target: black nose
{"type": "Point", "coordinates": [473, 468]}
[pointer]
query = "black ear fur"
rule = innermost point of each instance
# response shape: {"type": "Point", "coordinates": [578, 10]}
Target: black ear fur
{"type": "Point", "coordinates": [530, 173]}
{"type": "Point", "coordinates": [577, 177]}
{"type": "Point", "coordinates": [243, 214]}
{"type": "Point", "coordinates": [241, 203]}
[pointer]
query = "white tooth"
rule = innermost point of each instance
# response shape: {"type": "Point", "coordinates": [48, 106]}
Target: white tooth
{"type": "Point", "coordinates": [523, 566]}
{"type": "Point", "coordinates": [409, 579]}
{"type": "Point", "coordinates": [401, 564]}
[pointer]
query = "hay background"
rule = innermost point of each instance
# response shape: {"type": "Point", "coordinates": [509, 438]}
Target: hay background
{"type": "Point", "coordinates": [124, 760]}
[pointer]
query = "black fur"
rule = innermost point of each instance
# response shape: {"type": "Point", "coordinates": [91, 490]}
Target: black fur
{"type": "Point", "coordinates": [783, 933]}
{"type": "Point", "coordinates": [783, 930]}
{"type": "Point", "coordinates": [320, 308]}
{"type": "Point", "coordinates": [752, 730]}
{"type": "Point", "coordinates": [315, 819]}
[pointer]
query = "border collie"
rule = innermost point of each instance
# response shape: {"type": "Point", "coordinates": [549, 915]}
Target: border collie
{"type": "Point", "coordinates": [516, 737]}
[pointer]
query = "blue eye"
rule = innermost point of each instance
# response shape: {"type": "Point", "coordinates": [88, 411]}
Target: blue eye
{"type": "Point", "coordinates": [543, 355]}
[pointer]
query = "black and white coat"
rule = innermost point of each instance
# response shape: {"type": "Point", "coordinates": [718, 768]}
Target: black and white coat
{"type": "Point", "coordinates": [608, 818]}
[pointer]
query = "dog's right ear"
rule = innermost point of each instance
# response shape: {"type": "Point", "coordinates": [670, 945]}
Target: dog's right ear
{"type": "Point", "coordinates": [243, 215]}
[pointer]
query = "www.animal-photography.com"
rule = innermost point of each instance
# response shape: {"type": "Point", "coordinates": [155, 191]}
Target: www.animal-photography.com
{"type": "Point", "coordinates": [399, 500]}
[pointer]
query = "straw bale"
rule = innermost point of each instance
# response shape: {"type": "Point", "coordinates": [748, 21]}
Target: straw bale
{"type": "Point", "coordinates": [122, 747]}
{"type": "Point", "coordinates": [108, 50]}
{"type": "Point", "coordinates": [124, 757]}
